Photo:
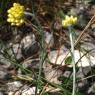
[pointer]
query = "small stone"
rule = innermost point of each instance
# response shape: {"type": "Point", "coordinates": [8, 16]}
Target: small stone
{"type": "Point", "coordinates": [57, 58]}
{"type": "Point", "coordinates": [1, 93]}
{"type": "Point", "coordinates": [51, 74]}
{"type": "Point", "coordinates": [17, 51]}
{"type": "Point", "coordinates": [3, 75]}
{"type": "Point", "coordinates": [19, 91]}
{"type": "Point", "coordinates": [14, 86]}
{"type": "Point", "coordinates": [29, 45]}
{"type": "Point", "coordinates": [14, 93]}
{"type": "Point", "coordinates": [10, 93]}
{"type": "Point", "coordinates": [30, 91]}
{"type": "Point", "coordinates": [49, 39]}
{"type": "Point", "coordinates": [28, 40]}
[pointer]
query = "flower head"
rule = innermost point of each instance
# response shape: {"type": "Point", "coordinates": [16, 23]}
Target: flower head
{"type": "Point", "coordinates": [16, 14]}
{"type": "Point", "coordinates": [69, 20]}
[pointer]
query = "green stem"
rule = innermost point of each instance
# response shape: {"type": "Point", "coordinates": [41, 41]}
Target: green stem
{"type": "Point", "coordinates": [73, 60]}
{"type": "Point", "coordinates": [43, 53]}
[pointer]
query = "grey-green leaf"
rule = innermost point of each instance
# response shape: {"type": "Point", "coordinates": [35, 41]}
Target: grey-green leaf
{"type": "Point", "coordinates": [68, 60]}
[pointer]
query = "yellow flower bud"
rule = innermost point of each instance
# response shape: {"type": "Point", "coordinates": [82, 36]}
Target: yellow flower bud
{"type": "Point", "coordinates": [69, 20]}
{"type": "Point", "coordinates": [10, 15]}
{"type": "Point", "coordinates": [12, 24]}
{"type": "Point", "coordinates": [21, 21]}
{"type": "Point", "coordinates": [16, 14]}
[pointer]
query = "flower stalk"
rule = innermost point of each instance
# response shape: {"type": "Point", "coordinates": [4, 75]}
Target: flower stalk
{"type": "Point", "coordinates": [68, 22]}
{"type": "Point", "coordinates": [73, 59]}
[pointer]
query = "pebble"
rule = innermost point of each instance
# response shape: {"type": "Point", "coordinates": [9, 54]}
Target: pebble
{"type": "Point", "coordinates": [49, 39]}
{"type": "Point", "coordinates": [1, 93]}
{"type": "Point", "coordinates": [3, 75]}
{"type": "Point", "coordinates": [29, 45]}
{"type": "Point", "coordinates": [17, 51]}
{"type": "Point", "coordinates": [27, 91]}
{"type": "Point", "coordinates": [14, 86]}
{"type": "Point", "coordinates": [84, 62]}
{"type": "Point", "coordinates": [30, 91]}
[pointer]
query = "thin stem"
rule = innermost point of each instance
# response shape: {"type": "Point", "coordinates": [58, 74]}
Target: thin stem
{"type": "Point", "coordinates": [73, 60]}
{"type": "Point", "coordinates": [43, 53]}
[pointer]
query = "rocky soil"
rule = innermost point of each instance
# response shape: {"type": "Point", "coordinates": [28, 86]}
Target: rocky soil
{"type": "Point", "coordinates": [21, 53]}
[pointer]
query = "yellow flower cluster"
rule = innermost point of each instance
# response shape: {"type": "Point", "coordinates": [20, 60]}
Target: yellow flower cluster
{"type": "Point", "coordinates": [16, 14]}
{"type": "Point", "coordinates": [69, 20]}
